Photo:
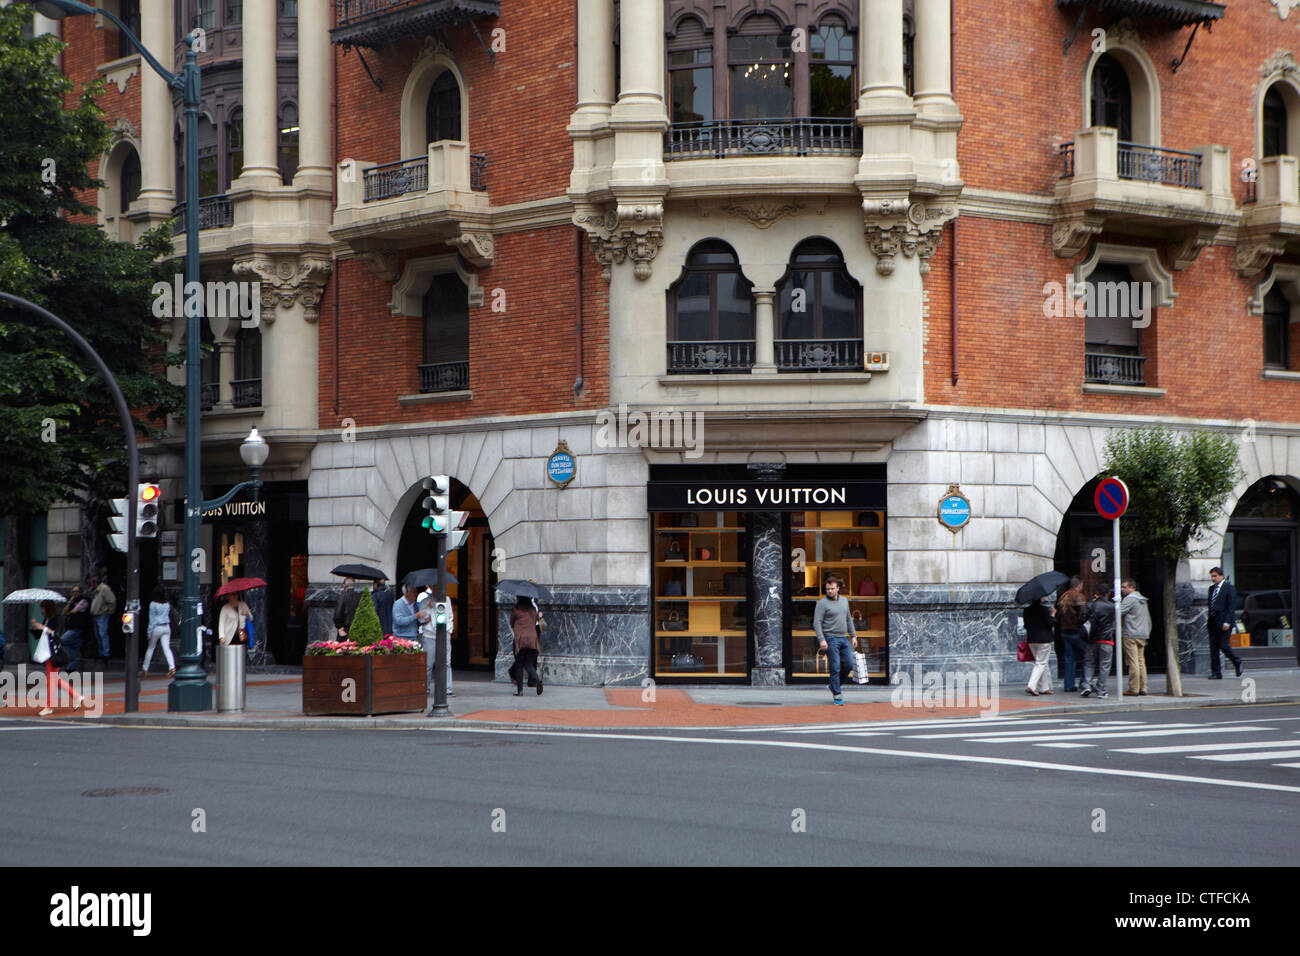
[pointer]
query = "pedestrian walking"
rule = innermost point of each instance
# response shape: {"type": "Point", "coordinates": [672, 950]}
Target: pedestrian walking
{"type": "Point", "coordinates": [524, 621]}
{"type": "Point", "coordinates": [232, 625]}
{"type": "Point", "coordinates": [833, 624]}
{"type": "Point", "coordinates": [345, 608]}
{"type": "Point", "coordinates": [382, 596]}
{"type": "Point", "coordinates": [429, 635]}
{"type": "Point", "coordinates": [102, 605]}
{"type": "Point", "coordinates": [160, 629]}
{"type": "Point", "coordinates": [1038, 631]}
{"type": "Point", "coordinates": [79, 624]}
{"type": "Point", "coordinates": [1135, 629]}
{"type": "Point", "coordinates": [1100, 646]}
{"type": "Point", "coordinates": [1071, 609]}
{"type": "Point", "coordinates": [1223, 615]}
{"type": "Point", "coordinates": [46, 652]}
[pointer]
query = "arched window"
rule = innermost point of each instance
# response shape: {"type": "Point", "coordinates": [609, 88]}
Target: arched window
{"type": "Point", "coordinates": [1274, 123]}
{"type": "Point", "coordinates": [247, 385]}
{"type": "Point", "coordinates": [758, 62]}
{"type": "Point", "coordinates": [129, 190]}
{"type": "Point", "coordinates": [445, 312]}
{"type": "Point", "coordinates": [690, 74]}
{"type": "Point", "coordinates": [819, 325]}
{"type": "Point", "coordinates": [129, 12]}
{"type": "Point", "coordinates": [235, 145]}
{"type": "Point", "coordinates": [442, 110]}
{"type": "Point", "coordinates": [832, 90]}
{"type": "Point", "coordinates": [909, 43]}
{"type": "Point", "coordinates": [1112, 98]}
{"type": "Point", "coordinates": [288, 142]}
{"type": "Point", "coordinates": [1277, 330]}
{"type": "Point", "coordinates": [711, 313]}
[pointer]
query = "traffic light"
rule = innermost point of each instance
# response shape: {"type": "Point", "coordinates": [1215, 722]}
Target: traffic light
{"type": "Point", "coordinates": [128, 622]}
{"type": "Point", "coordinates": [117, 520]}
{"type": "Point", "coordinates": [437, 499]}
{"type": "Point", "coordinates": [441, 612]}
{"type": "Point", "coordinates": [147, 503]}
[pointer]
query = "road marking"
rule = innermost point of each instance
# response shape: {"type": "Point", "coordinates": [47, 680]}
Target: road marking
{"type": "Point", "coordinates": [1277, 755]}
{"type": "Point", "coordinates": [52, 727]}
{"type": "Point", "coordinates": [1297, 765]}
{"type": "Point", "coordinates": [1122, 733]}
{"type": "Point", "coordinates": [892, 725]}
{"type": "Point", "coordinates": [1063, 746]}
{"type": "Point", "coordinates": [1193, 748]}
{"type": "Point", "coordinates": [885, 752]}
{"type": "Point", "coordinates": [1027, 733]}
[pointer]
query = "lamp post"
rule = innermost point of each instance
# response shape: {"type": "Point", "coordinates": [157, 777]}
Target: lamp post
{"type": "Point", "coordinates": [190, 691]}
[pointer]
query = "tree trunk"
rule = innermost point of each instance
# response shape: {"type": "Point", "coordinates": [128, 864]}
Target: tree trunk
{"type": "Point", "coordinates": [1173, 678]}
{"type": "Point", "coordinates": [17, 549]}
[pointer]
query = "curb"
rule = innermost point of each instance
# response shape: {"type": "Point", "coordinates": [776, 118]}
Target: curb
{"type": "Point", "coordinates": [237, 722]}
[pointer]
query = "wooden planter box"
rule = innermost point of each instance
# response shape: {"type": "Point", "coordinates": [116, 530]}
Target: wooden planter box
{"type": "Point", "coordinates": [387, 684]}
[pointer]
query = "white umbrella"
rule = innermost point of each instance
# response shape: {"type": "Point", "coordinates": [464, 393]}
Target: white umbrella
{"type": "Point", "coordinates": [34, 596]}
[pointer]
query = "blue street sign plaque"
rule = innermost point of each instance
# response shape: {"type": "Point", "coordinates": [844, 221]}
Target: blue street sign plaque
{"type": "Point", "coordinates": [954, 510]}
{"type": "Point", "coordinates": [561, 467]}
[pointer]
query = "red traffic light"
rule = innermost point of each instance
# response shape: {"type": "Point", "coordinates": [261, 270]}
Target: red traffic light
{"type": "Point", "coordinates": [150, 493]}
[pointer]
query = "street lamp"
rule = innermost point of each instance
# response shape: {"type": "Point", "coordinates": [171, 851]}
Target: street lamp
{"type": "Point", "coordinates": [190, 691]}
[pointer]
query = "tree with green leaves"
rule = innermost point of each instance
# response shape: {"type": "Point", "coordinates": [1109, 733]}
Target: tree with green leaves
{"type": "Point", "coordinates": [1177, 488]}
{"type": "Point", "coordinates": [59, 432]}
{"type": "Point", "coordinates": [365, 629]}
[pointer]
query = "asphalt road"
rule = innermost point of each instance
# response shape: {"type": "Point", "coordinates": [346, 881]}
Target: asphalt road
{"type": "Point", "coordinates": [921, 793]}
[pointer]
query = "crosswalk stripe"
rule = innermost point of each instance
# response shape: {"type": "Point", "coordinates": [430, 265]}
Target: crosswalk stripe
{"type": "Point", "coordinates": [1275, 755]}
{"type": "Point", "coordinates": [891, 725]}
{"type": "Point", "coordinates": [1027, 733]}
{"type": "Point", "coordinates": [1296, 765]}
{"type": "Point", "coordinates": [1193, 748]}
{"type": "Point", "coordinates": [1063, 746]}
{"type": "Point", "coordinates": [1121, 733]}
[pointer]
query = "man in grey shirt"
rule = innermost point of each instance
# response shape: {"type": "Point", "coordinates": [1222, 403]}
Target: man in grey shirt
{"type": "Point", "coordinates": [832, 621]}
{"type": "Point", "coordinates": [1135, 623]}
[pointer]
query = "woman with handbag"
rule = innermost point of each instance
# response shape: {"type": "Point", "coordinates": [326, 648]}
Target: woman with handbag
{"type": "Point", "coordinates": [49, 652]}
{"type": "Point", "coordinates": [525, 620]}
{"type": "Point", "coordinates": [1038, 631]}
{"type": "Point", "coordinates": [231, 626]}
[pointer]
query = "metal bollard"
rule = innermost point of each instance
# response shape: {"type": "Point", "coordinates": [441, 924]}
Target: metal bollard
{"type": "Point", "coordinates": [231, 661]}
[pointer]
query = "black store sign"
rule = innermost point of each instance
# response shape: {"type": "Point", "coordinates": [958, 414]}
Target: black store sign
{"type": "Point", "coordinates": [705, 495]}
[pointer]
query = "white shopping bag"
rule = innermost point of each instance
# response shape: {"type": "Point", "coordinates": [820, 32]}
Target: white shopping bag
{"type": "Point", "coordinates": [860, 668]}
{"type": "Point", "coordinates": [42, 647]}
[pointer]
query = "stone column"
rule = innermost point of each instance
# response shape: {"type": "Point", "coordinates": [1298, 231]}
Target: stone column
{"type": "Point", "coordinates": [260, 126]}
{"type": "Point", "coordinates": [257, 564]}
{"type": "Point", "coordinates": [157, 113]}
{"type": "Point", "coordinates": [933, 68]}
{"type": "Point", "coordinates": [642, 50]}
{"type": "Point", "coordinates": [314, 165]}
{"type": "Point", "coordinates": [226, 371]}
{"type": "Point", "coordinates": [595, 59]}
{"type": "Point", "coordinates": [767, 586]}
{"type": "Point", "coordinates": [881, 56]}
{"type": "Point", "coordinates": [764, 333]}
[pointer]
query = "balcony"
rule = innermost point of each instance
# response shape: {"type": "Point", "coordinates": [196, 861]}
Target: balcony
{"type": "Point", "coordinates": [444, 377]}
{"type": "Point", "coordinates": [819, 355]}
{"type": "Point", "coordinates": [440, 197]}
{"type": "Point", "coordinates": [374, 23]}
{"type": "Point", "coordinates": [247, 393]}
{"type": "Point", "coordinates": [215, 212]}
{"type": "Point", "coordinates": [710, 356]}
{"type": "Point", "coordinates": [763, 137]}
{"type": "Point", "coordinates": [1270, 222]}
{"type": "Point", "coordinates": [1180, 198]}
{"type": "Point", "coordinates": [1114, 369]}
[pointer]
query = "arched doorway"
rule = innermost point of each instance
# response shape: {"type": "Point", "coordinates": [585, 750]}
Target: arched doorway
{"type": "Point", "coordinates": [1260, 558]}
{"type": "Point", "coordinates": [474, 646]}
{"type": "Point", "coordinates": [1084, 546]}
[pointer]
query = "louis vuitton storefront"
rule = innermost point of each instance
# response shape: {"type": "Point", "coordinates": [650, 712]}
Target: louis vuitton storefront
{"type": "Point", "coordinates": [739, 556]}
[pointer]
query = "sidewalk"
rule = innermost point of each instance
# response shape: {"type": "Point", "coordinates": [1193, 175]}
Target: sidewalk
{"type": "Point", "coordinates": [274, 701]}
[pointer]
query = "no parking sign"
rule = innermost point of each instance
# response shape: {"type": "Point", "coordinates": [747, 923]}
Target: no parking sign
{"type": "Point", "coordinates": [1111, 499]}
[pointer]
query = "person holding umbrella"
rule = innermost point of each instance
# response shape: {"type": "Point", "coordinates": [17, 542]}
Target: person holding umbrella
{"type": "Point", "coordinates": [525, 619]}
{"type": "Point", "coordinates": [1038, 626]}
{"type": "Point", "coordinates": [233, 623]}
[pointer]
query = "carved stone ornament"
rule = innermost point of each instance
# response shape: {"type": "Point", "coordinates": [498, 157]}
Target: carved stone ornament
{"type": "Point", "coordinates": [431, 50]}
{"type": "Point", "coordinates": [632, 231]}
{"type": "Point", "coordinates": [286, 281]}
{"type": "Point", "coordinates": [478, 247]}
{"type": "Point", "coordinates": [123, 128]}
{"type": "Point", "coordinates": [761, 212]}
{"type": "Point", "coordinates": [895, 225]}
{"type": "Point", "coordinates": [1281, 63]}
{"type": "Point", "coordinates": [1071, 236]}
{"type": "Point", "coordinates": [1123, 31]}
{"type": "Point", "coordinates": [1284, 6]}
{"type": "Point", "coordinates": [1254, 255]}
{"type": "Point", "coordinates": [1184, 250]}
{"type": "Point", "coordinates": [381, 262]}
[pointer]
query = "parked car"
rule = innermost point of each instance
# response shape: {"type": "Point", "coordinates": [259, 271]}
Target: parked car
{"type": "Point", "coordinates": [1263, 611]}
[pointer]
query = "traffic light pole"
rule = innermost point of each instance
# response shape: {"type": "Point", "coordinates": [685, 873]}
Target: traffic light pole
{"type": "Point", "coordinates": [440, 708]}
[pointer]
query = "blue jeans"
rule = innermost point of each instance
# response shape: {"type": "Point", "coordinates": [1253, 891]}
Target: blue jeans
{"type": "Point", "coordinates": [1075, 651]}
{"type": "Point", "coordinates": [71, 641]}
{"type": "Point", "coordinates": [101, 632]}
{"type": "Point", "coordinates": [839, 654]}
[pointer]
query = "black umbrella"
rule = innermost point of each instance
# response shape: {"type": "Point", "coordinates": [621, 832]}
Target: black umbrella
{"type": "Point", "coordinates": [526, 589]}
{"type": "Point", "coordinates": [363, 571]}
{"type": "Point", "coordinates": [1040, 587]}
{"type": "Point", "coordinates": [425, 578]}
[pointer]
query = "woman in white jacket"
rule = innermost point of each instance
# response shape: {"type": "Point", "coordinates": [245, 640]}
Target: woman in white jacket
{"type": "Point", "coordinates": [160, 629]}
{"type": "Point", "coordinates": [233, 620]}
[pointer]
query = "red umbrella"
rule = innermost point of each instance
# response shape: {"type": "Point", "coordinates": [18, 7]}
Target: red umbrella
{"type": "Point", "coordinates": [239, 584]}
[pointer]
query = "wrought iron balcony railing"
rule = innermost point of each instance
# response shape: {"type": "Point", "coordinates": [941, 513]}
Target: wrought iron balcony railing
{"type": "Point", "coordinates": [248, 393]}
{"type": "Point", "coordinates": [477, 164]}
{"type": "Point", "coordinates": [1067, 154]}
{"type": "Point", "coordinates": [215, 212]}
{"type": "Point", "coordinates": [763, 137]}
{"type": "Point", "coordinates": [412, 176]}
{"type": "Point", "coordinates": [1169, 167]}
{"type": "Point", "coordinates": [209, 395]}
{"type": "Point", "coordinates": [444, 377]}
{"type": "Point", "coordinates": [819, 355]}
{"type": "Point", "coordinates": [711, 356]}
{"type": "Point", "coordinates": [1114, 369]}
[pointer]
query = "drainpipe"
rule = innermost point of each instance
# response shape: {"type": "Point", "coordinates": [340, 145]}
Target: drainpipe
{"type": "Point", "coordinates": [952, 255]}
{"type": "Point", "coordinates": [334, 204]}
{"type": "Point", "coordinates": [577, 383]}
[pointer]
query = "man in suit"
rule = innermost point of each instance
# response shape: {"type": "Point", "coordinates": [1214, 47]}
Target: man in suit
{"type": "Point", "coordinates": [1223, 614]}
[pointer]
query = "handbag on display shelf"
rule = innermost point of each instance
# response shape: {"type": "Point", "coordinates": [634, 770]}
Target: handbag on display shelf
{"type": "Point", "coordinates": [688, 519]}
{"type": "Point", "coordinates": [684, 661]}
{"type": "Point", "coordinates": [868, 519]}
{"type": "Point", "coordinates": [674, 589]}
{"type": "Point", "coordinates": [703, 554]}
{"type": "Point", "coordinates": [853, 551]}
{"type": "Point", "coordinates": [674, 552]}
{"type": "Point", "coordinates": [733, 584]}
{"type": "Point", "coordinates": [860, 675]}
{"type": "Point", "coordinates": [867, 588]}
{"type": "Point", "coordinates": [1023, 653]}
{"type": "Point", "coordinates": [673, 622]}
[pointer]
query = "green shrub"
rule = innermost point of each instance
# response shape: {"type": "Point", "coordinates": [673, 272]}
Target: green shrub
{"type": "Point", "coordinates": [365, 629]}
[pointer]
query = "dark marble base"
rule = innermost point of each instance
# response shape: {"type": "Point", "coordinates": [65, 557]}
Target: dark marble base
{"type": "Point", "coordinates": [767, 677]}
